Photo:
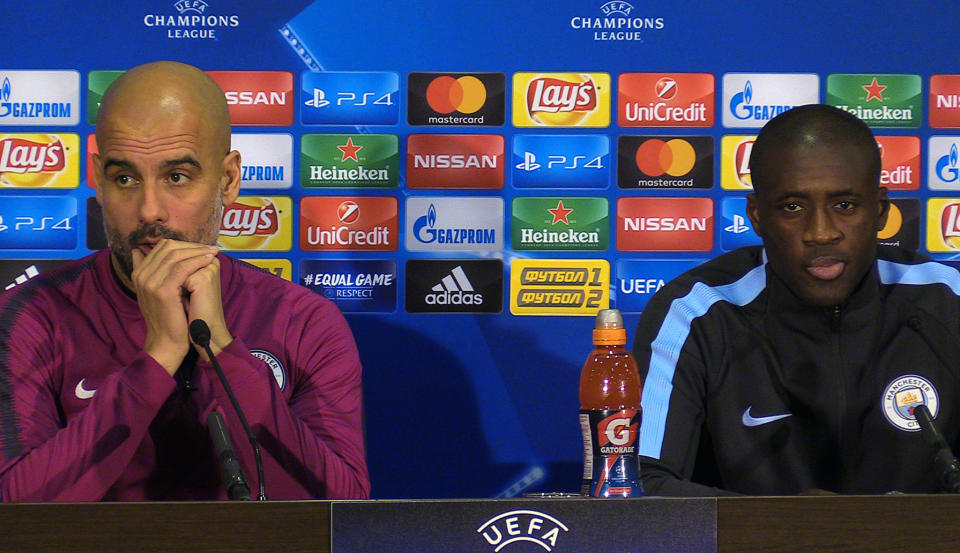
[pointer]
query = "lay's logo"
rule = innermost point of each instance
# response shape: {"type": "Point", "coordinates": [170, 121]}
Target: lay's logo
{"type": "Point", "coordinates": [250, 220]}
{"type": "Point", "coordinates": [257, 223]}
{"type": "Point", "coordinates": [39, 160]}
{"type": "Point", "coordinates": [561, 99]}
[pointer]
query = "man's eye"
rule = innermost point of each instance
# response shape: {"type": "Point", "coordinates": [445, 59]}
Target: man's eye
{"type": "Point", "coordinates": [178, 178]}
{"type": "Point", "coordinates": [846, 205]}
{"type": "Point", "coordinates": [792, 207]}
{"type": "Point", "coordinates": [124, 181]}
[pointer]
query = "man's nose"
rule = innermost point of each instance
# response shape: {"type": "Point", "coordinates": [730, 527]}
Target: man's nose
{"type": "Point", "coordinates": [152, 207]}
{"type": "Point", "coordinates": [822, 228]}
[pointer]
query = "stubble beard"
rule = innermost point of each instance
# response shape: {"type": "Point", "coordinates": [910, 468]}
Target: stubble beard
{"type": "Point", "coordinates": [122, 247]}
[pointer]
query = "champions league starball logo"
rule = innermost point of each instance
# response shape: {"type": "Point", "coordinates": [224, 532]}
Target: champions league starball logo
{"type": "Point", "coordinates": [192, 21]}
{"type": "Point", "coordinates": [617, 24]}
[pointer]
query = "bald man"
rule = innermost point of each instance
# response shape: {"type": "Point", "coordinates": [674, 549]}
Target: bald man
{"type": "Point", "coordinates": [796, 366]}
{"type": "Point", "coordinates": [102, 394]}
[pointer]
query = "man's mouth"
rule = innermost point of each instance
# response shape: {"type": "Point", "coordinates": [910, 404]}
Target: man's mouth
{"type": "Point", "coordinates": [826, 268]}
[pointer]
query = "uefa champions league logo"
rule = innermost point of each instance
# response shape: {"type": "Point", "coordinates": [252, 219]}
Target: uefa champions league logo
{"type": "Point", "coordinates": [191, 6]}
{"type": "Point", "coordinates": [616, 7]}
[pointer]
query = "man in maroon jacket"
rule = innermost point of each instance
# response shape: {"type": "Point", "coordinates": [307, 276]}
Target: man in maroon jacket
{"type": "Point", "coordinates": [102, 394]}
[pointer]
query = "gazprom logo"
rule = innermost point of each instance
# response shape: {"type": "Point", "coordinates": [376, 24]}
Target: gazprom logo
{"type": "Point", "coordinates": [740, 103]}
{"type": "Point", "coordinates": [427, 221]}
{"type": "Point", "coordinates": [522, 525]}
{"type": "Point", "coordinates": [5, 91]}
{"type": "Point", "coordinates": [947, 165]}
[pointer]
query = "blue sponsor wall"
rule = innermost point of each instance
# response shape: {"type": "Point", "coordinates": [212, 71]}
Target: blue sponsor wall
{"type": "Point", "coordinates": [470, 404]}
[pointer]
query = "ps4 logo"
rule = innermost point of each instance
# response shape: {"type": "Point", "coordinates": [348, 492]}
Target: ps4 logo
{"type": "Point", "coordinates": [30, 223]}
{"type": "Point", "coordinates": [529, 162]}
{"type": "Point", "coordinates": [738, 226]}
{"type": "Point", "coordinates": [320, 100]}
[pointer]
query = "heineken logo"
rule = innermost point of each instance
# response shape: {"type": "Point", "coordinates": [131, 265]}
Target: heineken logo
{"type": "Point", "coordinates": [891, 101]}
{"type": "Point", "coordinates": [560, 224]}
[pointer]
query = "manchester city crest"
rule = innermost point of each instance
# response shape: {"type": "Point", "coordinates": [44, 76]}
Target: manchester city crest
{"type": "Point", "coordinates": [905, 393]}
{"type": "Point", "coordinates": [274, 363]}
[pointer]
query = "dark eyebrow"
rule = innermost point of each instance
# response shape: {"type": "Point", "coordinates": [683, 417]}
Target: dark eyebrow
{"type": "Point", "coordinates": [185, 160]}
{"type": "Point", "coordinates": [847, 192]}
{"type": "Point", "coordinates": [119, 163]}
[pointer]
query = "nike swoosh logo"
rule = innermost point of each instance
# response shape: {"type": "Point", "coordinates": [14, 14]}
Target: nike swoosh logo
{"type": "Point", "coordinates": [749, 420]}
{"type": "Point", "coordinates": [83, 393]}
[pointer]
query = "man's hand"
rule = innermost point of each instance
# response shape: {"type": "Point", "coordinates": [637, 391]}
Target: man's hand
{"type": "Point", "coordinates": [160, 281]}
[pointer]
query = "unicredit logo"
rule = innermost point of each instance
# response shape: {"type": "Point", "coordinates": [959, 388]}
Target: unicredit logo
{"type": "Point", "coordinates": [351, 224]}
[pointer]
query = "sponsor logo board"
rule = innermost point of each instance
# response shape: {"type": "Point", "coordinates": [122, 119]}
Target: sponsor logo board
{"type": "Point", "coordinates": [257, 98]}
{"type": "Point", "coordinates": [267, 160]}
{"type": "Point", "coordinates": [560, 224]}
{"type": "Point", "coordinates": [348, 223]}
{"type": "Point", "coordinates": [14, 272]}
{"type": "Point", "coordinates": [349, 161]}
{"type": "Point", "coordinates": [945, 101]}
{"type": "Point", "coordinates": [263, 223]}
{"type": "Point", "coordinates": [665, 100]}
{"type": "Point", "coordinates": [454, 224]}
{"type": "Point", "coordinates": [735, 162]}
{"type": "Point", "coordinates": [638, 280]}
{"type": "Point", "coordinates": [561, 99]}
{"type": "Point", "coordinates": [97, 84]}
{"type": "Point", "coordinates": [355, 285]}
{"type": "Point", "coordinates": [752, 99]}
{"type": "Point", "coordinates": [943, 163]}
{"type": "Point", "coordinates": [943, 225]}
{"type": "Point", "coordinates": [559, 286]}
{"type": "Point", "coordinates": [736, 228]}
{"type": "Point", "coordinates": [561, 161]}
{"type": "Point", "coordinates": [38, 222]}
{"type": "Point", "coordinates": [456, 99]}
{"type": "Point", "coordinates": [665, 162]}
{"type": "Point", "coordinates": [455, 161]}
{"type": "Point", "coordinates": [278, 267]}
{"type": "Point", "coordinates": [891, 101]}
{"type": "Point", "coordinates": [44, 98]}
{"type": "Point", "coordinates": [903, 224]}
{"type": "Point", "coordinates": [664, 224]}
{"type": "Point", "coordinates": [34, 160]}
{"type": "Point", "coordinates": [350, 98]}
{"type": "Point", "coordinates": [900, 162]}
{"type": "Point", "coordinates": [454, 286]}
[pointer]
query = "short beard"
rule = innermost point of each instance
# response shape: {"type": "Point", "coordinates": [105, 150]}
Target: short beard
{"type": "Point", "coordinates": [122, 248]}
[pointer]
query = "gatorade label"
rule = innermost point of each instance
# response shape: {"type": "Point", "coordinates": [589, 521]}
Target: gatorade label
{"type": "Point", "coordinates": [611, 464]}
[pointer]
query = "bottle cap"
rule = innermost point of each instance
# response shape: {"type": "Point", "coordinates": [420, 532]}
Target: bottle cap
{"type": "Point", "coordinates": [609, 329]}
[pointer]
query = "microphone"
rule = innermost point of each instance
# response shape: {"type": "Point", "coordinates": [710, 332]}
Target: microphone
{"type": "Point", "coordinates": [944, 460]}
{"type": "Point", "coordinates": [200, 334]}
{"type": "Point", "coordinates": [233, 479]}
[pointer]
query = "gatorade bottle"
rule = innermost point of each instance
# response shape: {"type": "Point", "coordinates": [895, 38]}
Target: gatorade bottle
{"type": "Point", "coordinates": [610, 413]}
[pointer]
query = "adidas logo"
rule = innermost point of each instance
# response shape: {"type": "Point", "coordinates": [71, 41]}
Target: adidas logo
{"type": "Point", "coordinates": [454, 289]}
{"type": "Point", "coordinates": [28, 273]}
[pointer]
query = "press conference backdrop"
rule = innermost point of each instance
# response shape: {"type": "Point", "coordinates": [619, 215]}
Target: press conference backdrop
{"type": "Point", "coordinates": [471, 181]}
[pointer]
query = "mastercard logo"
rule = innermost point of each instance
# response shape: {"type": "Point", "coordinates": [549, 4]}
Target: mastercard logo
{"type": "Point", "coordinates": [674, 157]}
{"type": "Point", "coordinates": [894, 223]}
{"type": "Point", "coordinates": [464, 94]}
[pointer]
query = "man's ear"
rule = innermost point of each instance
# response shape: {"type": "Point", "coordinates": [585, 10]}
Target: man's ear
{"type": "Point", "coordinates": [753, 213]}
{"type": "Point", "coordinates": [230, 181]}
{"type": "Point", "coordinates": [883, 206]}
{"type": "Point", "coordinates": [97, 177]}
